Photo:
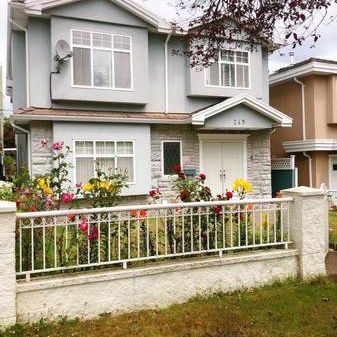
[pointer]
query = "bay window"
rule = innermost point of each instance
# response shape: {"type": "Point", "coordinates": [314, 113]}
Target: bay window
{"type": "Point", "coordinates": [109, 156]}
{"type": "Point", "coordinates": [231, 69]}
{"type": "Point", "coordinates": [101, 60]}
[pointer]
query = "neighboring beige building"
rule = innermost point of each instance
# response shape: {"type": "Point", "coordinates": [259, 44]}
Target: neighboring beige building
{"type": "Point", "coordinates": [307, 92]}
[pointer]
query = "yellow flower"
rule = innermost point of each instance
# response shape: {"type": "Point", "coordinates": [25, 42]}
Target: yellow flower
{"type": "Point", "coordinates": [88, 187]}
{"type": "Point", "coordinates": [242, 185]}
{"type": "Point", "coordinates": [44, 185]}
{"type": "Point", "coordinates": [104, 185]}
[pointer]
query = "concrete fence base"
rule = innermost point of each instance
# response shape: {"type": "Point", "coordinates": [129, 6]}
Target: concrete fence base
{"type": "Point", "coordinates": [87, 295]}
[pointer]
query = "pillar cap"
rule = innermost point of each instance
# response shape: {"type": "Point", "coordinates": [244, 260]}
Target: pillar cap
{"type": "Point", "coordinates": [304, 191]}
{"type": "Point", "coordinates": [7, 206]}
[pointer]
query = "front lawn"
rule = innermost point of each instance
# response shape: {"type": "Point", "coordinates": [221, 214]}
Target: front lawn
{"type": "Point", "coordinates": [280, 310]}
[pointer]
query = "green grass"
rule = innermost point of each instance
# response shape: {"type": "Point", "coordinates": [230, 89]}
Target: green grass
{"type": "Point", "coordinates": [279, 310]}
{"type": "Point", "coordinates": [333, 229]}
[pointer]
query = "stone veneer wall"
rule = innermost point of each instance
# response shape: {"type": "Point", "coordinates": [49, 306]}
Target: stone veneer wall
{"type": "Point", "coordinates": [190, 152]}
{"type": "Point", "coordinates": [41, 157]}
{"type": "Point", "coordinates": [259, 163]}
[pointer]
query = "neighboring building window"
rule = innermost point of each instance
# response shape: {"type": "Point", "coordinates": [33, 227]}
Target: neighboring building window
{"type": "Point", "coordinates": [101, 60]}
{"type": "Point", "coordinates": [107, 155]}
{"type": "Point", "coordinates": [230, 70]}
{"type": "Point", "coordinates": [171, 156]}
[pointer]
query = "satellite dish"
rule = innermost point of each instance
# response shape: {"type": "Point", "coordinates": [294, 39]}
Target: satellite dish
{"type": "Point", "coordinates": [63, 51]}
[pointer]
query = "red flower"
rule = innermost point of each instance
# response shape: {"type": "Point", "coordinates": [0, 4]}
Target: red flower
{"type": "Point", "coordinates": [93, 236]}
{"type": "Point", "coordinates": [154, 193]}
{"type": "Point", "coordinates": [67, 197]}
{"type": "Point", "coordinates": [178, 168]}
{"type": "Point", "coordinates": [208, 191]}
{"type": "Point", "coordinates": [84, 226]}
{"type": "Point", "coordinates": [250, 207]}
{"type": "Point", "coordinates": [202, 176]}
{"type": "Point", "coordinates": [44, 143]}
{"type": "Point", "coordinates": [134, 213]}
{"type": "Point", "coordinates": [217, 210]}
{"type": "Point", "coordinates": [71, 218]}
{"type": "Point", "coordinates": [142, 214]}
{"type": "Point", "coordinates": [33, 209]}
{"type": "Point", "coordinates": [184, 195]}
{"type": "Point", "coordinates": [229, 195]}
{"type": "Point", "coordinates": [57, 146]}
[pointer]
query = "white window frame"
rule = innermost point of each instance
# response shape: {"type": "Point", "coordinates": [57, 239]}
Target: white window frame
{"type": "Point", "coordinates": [112, 50]}
{"type": "Point", "coordinates": [162, 155]}
{"type": "Point", "coordinates": [220, 62]}
{"type": "Point", "coordinates": [95, 156]}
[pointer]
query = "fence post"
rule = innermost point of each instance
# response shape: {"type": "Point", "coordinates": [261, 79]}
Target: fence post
{"type": "Point", "coordinates": [309, 228]}
{"type": "Point", "coordinates": [7, 264]}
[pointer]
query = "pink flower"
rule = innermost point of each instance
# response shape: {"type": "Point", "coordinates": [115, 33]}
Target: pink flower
{"type": "Point", "coordinates": [84, 226]}
{"type": "Point", "coordinates": [93, 236]}
{"type": "Point", "coordinates": [44, 143]}
{"type": "Point", "coordinates": [58, 146]}
{"type": "Point", "coordinates": [67, 197]}
{"type": "Point", "coordinates": [79, 185]}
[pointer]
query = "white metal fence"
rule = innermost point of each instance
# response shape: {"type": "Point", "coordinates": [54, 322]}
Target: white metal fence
{"type": "Point", "coordinates": [57, 241]}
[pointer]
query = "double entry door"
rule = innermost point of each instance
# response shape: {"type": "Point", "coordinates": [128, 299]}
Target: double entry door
{"type": "Point", "coordinates": [223, 161]}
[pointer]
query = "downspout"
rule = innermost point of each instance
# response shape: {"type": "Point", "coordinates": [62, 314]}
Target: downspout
{"type": "Point", "coordinates": [166, 74]}
{"type": "Point", "coordinates": [27, 61]}
{"type": "Point", "coordinates": [29, 148]}
{"type": "Point", "coordinates": [304, 136]}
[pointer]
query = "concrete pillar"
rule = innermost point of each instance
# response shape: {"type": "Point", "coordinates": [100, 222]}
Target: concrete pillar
{"type": "Point", "coordinates": [309, 228]}
{"type": "Point", "coordinates": [7, 264]}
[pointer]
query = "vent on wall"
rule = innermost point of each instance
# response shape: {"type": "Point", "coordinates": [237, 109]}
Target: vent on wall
{"type": "Point", "coordinates": [283, 163]}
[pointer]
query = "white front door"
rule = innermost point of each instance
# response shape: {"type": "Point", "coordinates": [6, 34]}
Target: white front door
{"type": "Point", "coordinates": [223, 162]}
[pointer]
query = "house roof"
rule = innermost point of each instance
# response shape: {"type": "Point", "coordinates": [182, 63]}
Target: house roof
{"type": "Point", "coordinates": [41, 114]}
{"type": "Point", "coordinates": [197, 118]}
{"type": "Point", "coordinates": [279, 118]}
{"type": "Point", "coordinates": [36, 7]}
{"type": "Point", "coordinates": [305, 68]}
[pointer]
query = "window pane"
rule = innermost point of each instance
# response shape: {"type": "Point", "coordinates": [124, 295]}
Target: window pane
{"type": "Point", "coordinates": [122, 70]}
{"type": "Point", "coordinates": [82, 38]}
{"type": "Point", "coordinates": [213, 74]}
{"type": "Point", "coordinates": [105, 148]}
{"type": "Point", "coordinates": [227, 55]}
{"type": "Point", "coordinates": [84, 148]}
{"type": "Point", "coordinates": [242, 76]}
{"type": "Point", "coordinates": [228, 75]}
{"type": "Point", "coordinates": [122, 42]}
{"type": "Point", "coordinates": [171, 157]}
{"type": "Point", "coordinates": [107, 165]}
{"type": "Point", "coordinates": [242, 57]}
{"type": "Point", "coordinates": [102, 68]}
{"type": "Point", "coordinates": [101, 40]}
{"type": "Point", "coordinates": [126, 165]}
{"type": "Point", "coordinates": [84, 169]}
{"type": "Point", "coordinates": [81, 61]}
{"type": "Point", "coordinates": [124, 148]}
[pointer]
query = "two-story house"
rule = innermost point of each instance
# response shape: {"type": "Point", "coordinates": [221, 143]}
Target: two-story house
{"type": "Point", "coordinates": [125, 100]}
{"type": "Point", "coordinates": [308, 92]}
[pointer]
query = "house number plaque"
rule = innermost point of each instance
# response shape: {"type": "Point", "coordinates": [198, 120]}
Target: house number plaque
{"type": "Point", "coordinates": [239, 122]}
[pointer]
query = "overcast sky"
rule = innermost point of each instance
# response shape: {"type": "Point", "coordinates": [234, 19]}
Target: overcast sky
{"type": "Point", "coordinates": [326, 46]}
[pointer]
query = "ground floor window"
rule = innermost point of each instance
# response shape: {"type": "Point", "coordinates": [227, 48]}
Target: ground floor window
{"type": "Point", "coordinates": [107, 155]}
{"type": "Point", "coordinates": [171, 156]}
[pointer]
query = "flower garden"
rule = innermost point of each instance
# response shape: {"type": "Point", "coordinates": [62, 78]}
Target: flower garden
{"type": "Point", "coordinates": [80, 238]}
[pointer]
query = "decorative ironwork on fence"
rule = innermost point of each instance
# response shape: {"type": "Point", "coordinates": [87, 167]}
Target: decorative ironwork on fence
{"type": "Point", "coordinates": [79, 239]}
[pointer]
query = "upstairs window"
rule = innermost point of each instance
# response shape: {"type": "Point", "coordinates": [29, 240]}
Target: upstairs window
{"type": "Point", "coordinates": [110, 156]}
{"type": "Point", "coordinates": [102, 60]}
{"type": "Point", "coordinates": [231, 70]}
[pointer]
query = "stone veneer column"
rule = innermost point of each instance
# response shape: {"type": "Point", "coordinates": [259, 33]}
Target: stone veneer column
{"type": "Point", "coordinates": [309, 228]}
{"type": "Point", "coordinates": [7, 264]}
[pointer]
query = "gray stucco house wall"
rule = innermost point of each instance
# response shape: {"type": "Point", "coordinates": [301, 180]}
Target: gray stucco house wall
{"type": "Point", "coordinates": [143, 114]}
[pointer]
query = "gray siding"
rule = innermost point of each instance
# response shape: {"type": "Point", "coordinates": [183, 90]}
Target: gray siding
{"type": "Point", "coordinates": [140, 134]}
{"type": "Point", "coordinates": [39, 61]}
{"type": "Point", "coordinates": [19, 69]}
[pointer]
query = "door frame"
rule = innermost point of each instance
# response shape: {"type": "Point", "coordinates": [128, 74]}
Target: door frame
{"type": "Point", "coordinates": [224, 138]}
{"type": "Point", "coordinates": [331, 157]}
